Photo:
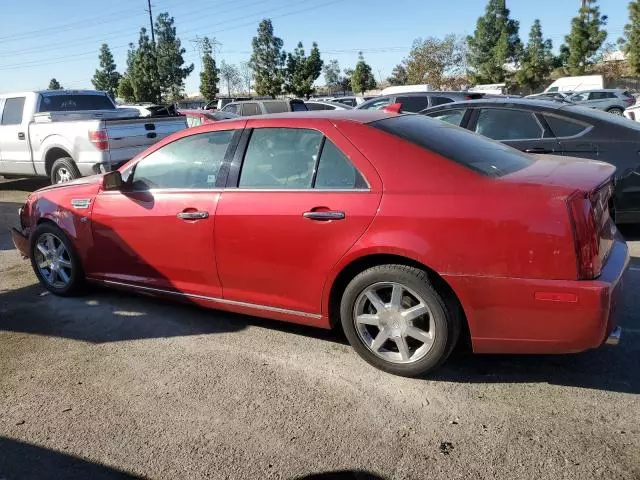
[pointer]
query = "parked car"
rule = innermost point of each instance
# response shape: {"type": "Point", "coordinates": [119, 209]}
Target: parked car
{"type": "Point", "coordinates": [351, 101]}
{"type": "Point", "coordinates": [555, 96]}
{"type": "Point", "coordinates": [633, 112]}
{"type": "Point", "coordinates": [219, 103]}
{"type": "Point", "coordinates": [578, 84]}
{"type": "Point", "coordinates": [537, 126]}
{"type": "Point", "coordinates": [199, 117]}
{"type": "Point", "coordinates": [262, 107]}
{"type": "Point", "coordinates": [614, 101]}
{"type": "Point", "coordinates": [305, 232]}
{"type": "Point", "coordinates": [64, 134]}
{"type": "Point", "coordinates": [322, 105]}
{"type": "Point", "coordinates": [416, 101]}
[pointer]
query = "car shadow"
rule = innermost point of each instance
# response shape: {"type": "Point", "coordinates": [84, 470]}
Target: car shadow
{"type": "Point", "coordinates": [342, 475]}
{"type": "Point", "coordinates": [8, 218]}
{"type": "Point", "coordinates": [27, 461]}
{"type": "Point", "coordinates": [630, 233]}
{"type": "Point", "coordinates": [25, 184]}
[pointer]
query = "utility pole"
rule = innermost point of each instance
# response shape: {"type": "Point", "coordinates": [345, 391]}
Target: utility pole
{"type": "Point", "coordinates": [153, 45]}
{"type": "Point", "coordinates": [153, 36]}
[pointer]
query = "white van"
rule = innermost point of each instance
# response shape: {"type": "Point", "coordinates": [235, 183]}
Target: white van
{"type": "Point", "coordinates": [406, 89]}
{"type": "Point", "coordinates": [576, 84]}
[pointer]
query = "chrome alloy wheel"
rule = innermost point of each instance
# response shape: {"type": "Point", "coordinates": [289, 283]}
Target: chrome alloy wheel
{"type": "Point", "coordinates": [394, 322]}
{"type": "Point", "coordinates": [53, 260]}
{"type": "Point", "coordinates": [63, 175]}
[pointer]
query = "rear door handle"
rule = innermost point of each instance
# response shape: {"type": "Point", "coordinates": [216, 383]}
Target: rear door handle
{"type": "Point", "coordinates": [324, 215]}
{"type": "Point", "coordinates": [21, 136]}
{"type": "Point", "coordinates": [538, 150]}
{"type": "Point", "coordinates": [193, 215]}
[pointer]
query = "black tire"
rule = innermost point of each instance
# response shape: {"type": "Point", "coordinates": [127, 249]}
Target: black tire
{"type": "Point", "coordinates": [75, 273]}
{"type": "Point", "coordinates": [444, 318]}
{"type": "Point", "coordinates": [615, 111]}
{"type": "Point", "coordinates": [64, 170]}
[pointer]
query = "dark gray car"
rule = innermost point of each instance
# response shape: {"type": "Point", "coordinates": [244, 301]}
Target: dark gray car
{"type": "Point", "coordinates": [416, 101]}
{"type": "Point", "coordinates": [536, 126]}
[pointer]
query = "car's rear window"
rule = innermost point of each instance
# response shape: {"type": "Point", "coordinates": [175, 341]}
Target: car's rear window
{"type": "Point", "coordinates": [66, 103]}
{"type": "Point", "coordinates": [476, 152]}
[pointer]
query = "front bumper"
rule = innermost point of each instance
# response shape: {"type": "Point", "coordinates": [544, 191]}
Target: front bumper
{"type": "Point", "coordinates": [21, 242]}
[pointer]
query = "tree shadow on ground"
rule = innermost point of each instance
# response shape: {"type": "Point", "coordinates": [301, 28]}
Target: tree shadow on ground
{"type": "Point", "coordinates": [24, 461]}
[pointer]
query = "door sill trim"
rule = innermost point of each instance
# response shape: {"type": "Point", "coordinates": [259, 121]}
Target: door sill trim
{"type": "Point", "coordinates": [211, 299]}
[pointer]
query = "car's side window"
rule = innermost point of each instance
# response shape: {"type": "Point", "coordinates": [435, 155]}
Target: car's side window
{"type": "Point", "coordinates": [191, 162]}
{"type": "Point", "coordinates": [378, 104]}
{"type": "Point", "coordinates": [335, 171]}
{"type": "Point", "coordinates": [579, 97]}
{"type": "Point", "coordinates": [563, 127]}
{"type": "Point", "coordinates": [231, 108]}
{"type": "Point", "coordinates": [12, 112]}
{"type": "Point", "coordinates": [280, 158]}
{"type": "Point", "coordinates": [440, 101]}
{"type": "Point", "coordinates": [193, 121]}
{"type": "Point", "coordinates": [454, 117]}
{"type": "Point", "coordinates": [507, 124]}
{"type": "Point", "coordinates": [414, 103]}
{"type": "Point", "coordinates": [250, 109]}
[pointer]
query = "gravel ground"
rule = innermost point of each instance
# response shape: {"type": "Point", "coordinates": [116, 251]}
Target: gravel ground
{"type": "Point", "coordinates": [112, 385]}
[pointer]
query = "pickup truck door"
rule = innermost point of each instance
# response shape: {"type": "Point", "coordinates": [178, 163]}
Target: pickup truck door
{"type": "Point", "coordinates": [15, 153]}
{"type": "Point", "coordinates": [157, 231]}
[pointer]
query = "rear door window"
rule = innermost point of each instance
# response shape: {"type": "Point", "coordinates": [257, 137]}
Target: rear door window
{"type": "Point", "coordinates": [564, 127]}
{"type": "Point", "coordinates": [250, 109]}
{"type": "Point", "coordinates": [454, 116]}
{"type": "Point", "coordinates": [413, 104]}
{"type": "Point", "coordinates": [440, 101]}
{"type": "Point", "coordinates": [298, 107]}
{"type": "Point", "coordinates": [478, 153]}
{"type": "Point", "coordinates": [335, 171]}
{"type": "Point", "coordinates": [377, 104]}
{"type": "Point", "coordinates": [507, 124]}
{"type": "Point", "coordinates": [275, 107]}
{"type": "Point", "coordinates": [12, 112]}
{"type": "Point", "coordinates": [230, 108]}
{"type": "Point", "coordinates": [319, 106]}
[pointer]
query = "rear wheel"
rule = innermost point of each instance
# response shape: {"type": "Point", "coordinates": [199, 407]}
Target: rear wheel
{"type": "Point", "coordinates": [397, 321]}
{"type": "Point", "coordinates": [64, 170]}
{"type": "Point", "coordinates": [616, 111]}
{"type": "Point", "coordinates": [55, 261]}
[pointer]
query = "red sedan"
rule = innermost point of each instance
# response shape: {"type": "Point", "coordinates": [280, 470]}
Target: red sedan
{"type": "Point", "coordinates": [408, 232]}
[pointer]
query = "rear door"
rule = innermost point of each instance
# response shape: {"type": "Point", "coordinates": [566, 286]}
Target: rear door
{"type": "Point", "coordinates": [296, 201]}
{"type": "Point", "coordinates": [15, 153]}
{"type": "Point", "coordinates": [521, 129]}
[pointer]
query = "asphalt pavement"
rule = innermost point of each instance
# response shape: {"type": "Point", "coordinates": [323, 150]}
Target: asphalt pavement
{"type": "Point", "coordinates": [113, 385]}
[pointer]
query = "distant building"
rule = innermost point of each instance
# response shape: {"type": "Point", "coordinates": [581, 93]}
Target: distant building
{"type": "Point", "coordinates": [616, 56]}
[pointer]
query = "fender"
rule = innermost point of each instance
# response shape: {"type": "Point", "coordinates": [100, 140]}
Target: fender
{"type": "Point", "coordinates": [47, 143]}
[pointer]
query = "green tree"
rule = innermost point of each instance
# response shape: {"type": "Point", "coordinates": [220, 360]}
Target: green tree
{"type": "Point", "coordinates": [106, 78]}
{"type": "Point", "coordinates": [209, 74]}
{"type": "Point", "coordinates": [399, 75]}
{"type": "Point", "coordinates": [362, 78]}
{"type": "Point", "coordinates": [585, 39]}
{"type": "Point", "coordinates": [230, 76]}
{"type": "Point", "coordinates": [54, 84]}
{"type": "Point", "coordinates": [125, 90]}
{"type": "Point", "coordinates": [631, 42]}
{"type": "Point", "coordinates": [170, 60]}
{"type": "Point", "coordinates": [345, 80]}
{"type": "Point", "coordinates": [301, 71]}
{"type": "Point", "coordinates": [246, 76]}
{"type": "Point", "coordinates": [431, 59]}
{"type": "Point", "coordinates": [267, 61]}
{"type": "Point", "coordinates": [142, 69]}
{"type": "Point", "coordinates": [494, 44]}
{"type": "Point", "coordinates": [537, 60]}
{"type": "Point", "coordinates": [331, 71]}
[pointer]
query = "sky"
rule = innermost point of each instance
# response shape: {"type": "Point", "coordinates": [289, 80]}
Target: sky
{"type": "Point", "coordinates": [42, 39]}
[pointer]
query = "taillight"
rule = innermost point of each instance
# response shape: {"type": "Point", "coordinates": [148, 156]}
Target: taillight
{"type": "Point", "coordinates": [585, 234]}
{"type": "Point", "coordinates": [100, 139]}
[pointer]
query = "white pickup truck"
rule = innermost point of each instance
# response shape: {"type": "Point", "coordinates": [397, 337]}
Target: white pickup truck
{"type": "Point", "coordinates": [65, 134]}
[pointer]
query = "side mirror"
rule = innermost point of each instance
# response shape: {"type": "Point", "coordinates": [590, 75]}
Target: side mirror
{"type": "Point", "coordinates": [112, 180]}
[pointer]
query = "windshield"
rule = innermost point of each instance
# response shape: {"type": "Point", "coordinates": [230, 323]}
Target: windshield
{"type": "Point", "coordinates": [474, 151]}
{"type": "Point", "coordinates": [75, 102]}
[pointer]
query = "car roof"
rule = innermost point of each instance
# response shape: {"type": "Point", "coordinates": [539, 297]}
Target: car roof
{"type": "Point", "coordinates": [270, 100]}
{"type": "Point", "coordinates": [357, 116]}
{"type": "Point", "coordinates": [505, 102]}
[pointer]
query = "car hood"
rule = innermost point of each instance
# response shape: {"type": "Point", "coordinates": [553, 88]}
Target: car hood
{"type": "Point", "coordinates": [80, 182]}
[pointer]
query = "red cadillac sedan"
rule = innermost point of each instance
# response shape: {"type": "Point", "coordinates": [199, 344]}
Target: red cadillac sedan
{"type": "Point", "coordinates": [409, 233]}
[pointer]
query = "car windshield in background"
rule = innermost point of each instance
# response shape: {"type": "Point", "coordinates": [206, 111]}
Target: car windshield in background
{"type": "Point", "coordinates": [67, 103]}
{"type": "Point", "coordinates": [479, 153]}
{"type": "Point", "coordinates": [602, 115]}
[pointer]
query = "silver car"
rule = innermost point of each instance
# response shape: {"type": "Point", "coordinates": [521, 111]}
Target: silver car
{"type": "Point", "coordinates": [614, 100]}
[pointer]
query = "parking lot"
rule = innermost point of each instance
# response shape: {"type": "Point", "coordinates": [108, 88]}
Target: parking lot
{"type": "Point", "coordinates": [110, 384]}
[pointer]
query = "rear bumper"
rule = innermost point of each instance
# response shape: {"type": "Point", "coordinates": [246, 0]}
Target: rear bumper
{"type": "Point", "coordinates": [505, 316]}
{"type": "Point", "coordinates": [21, 242]}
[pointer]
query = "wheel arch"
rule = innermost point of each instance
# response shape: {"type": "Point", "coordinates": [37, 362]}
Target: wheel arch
{"type": "Point", "coordinates": [53, 154]}
{"type": "Point", "coordinates": [363, 262]}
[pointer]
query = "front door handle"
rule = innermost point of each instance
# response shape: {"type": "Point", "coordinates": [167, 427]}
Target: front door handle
{"type": "Point", "coordinates": [538, 150]}
{"type": "Point", "coordinates": [193, 215]}
{"type": "Point", "coordinates": [324, 215]}
{"type": "Point", "coordinates": [21, 136]}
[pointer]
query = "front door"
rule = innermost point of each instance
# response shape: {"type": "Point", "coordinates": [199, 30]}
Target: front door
{"type": "Point", "coordinates": [519, 129]}
{"type": "Point", "coordinates": [302, 198]}
{"type": "Point", "coordinates": [15, 154]}
{"type": "Point", "coordinates": [158, 230]}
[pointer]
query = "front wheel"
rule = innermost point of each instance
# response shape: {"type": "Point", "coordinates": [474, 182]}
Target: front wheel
{"type": "Point", "coordinates": [395, 320]}
{"type": "Point", "coordinates": [55, 261]}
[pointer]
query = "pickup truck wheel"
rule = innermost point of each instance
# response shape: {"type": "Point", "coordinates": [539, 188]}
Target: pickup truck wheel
{"type": "Point", "coordinates": [55, 261]}
{"type": "Point", "coordinates": [64, 170]}
{"type": "Point", "coordinates": [396, 320]}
